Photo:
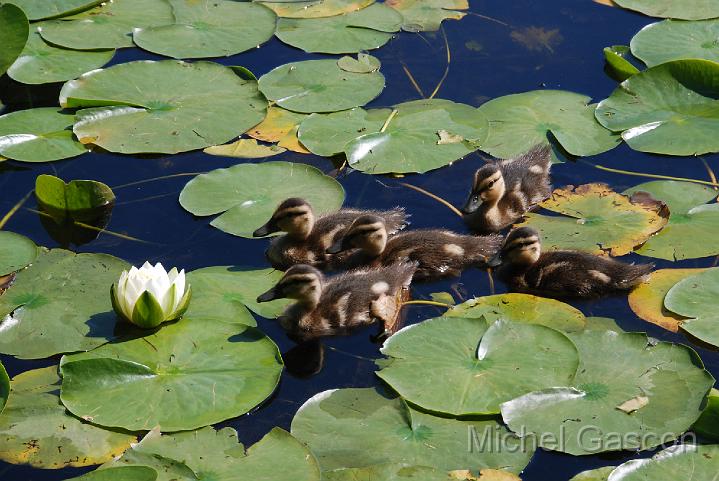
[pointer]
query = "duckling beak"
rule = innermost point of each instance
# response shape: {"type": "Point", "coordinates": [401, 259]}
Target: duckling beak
{"type": "Point", "coordinates": [336, 247]}
{"type": "Point", "coordinates": [495, 261]}
{"type": "Point", "coordinates": [471, 205]}
{"type": "Point", "coordinates": [265, 230]}
{"type": "Point", "coordinates": [268, 296]}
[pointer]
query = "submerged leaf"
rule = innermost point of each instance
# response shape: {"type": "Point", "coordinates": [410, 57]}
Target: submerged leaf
{"type": "Point", "coordinates": [427, 15]}
{"type": "Point", "coordinates": [16, 252]}
{"type": "Point", "coordinates": [537, 38]}
{"type": "Point", "coordinates": [245, 149]}
{"type": "Point", "coordinates": [14, 32]}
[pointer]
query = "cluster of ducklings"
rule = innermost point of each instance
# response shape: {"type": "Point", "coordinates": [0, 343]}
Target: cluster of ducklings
{"type": "Point", "coordinates": [381, 259]}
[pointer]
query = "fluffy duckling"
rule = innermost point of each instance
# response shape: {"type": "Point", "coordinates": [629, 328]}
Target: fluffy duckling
{"type": "Point", "coordinates": [438, 253]}
{"type": "Point", "coordinates": [525, 268]}
{"type": "Point", "coordinates": [336, 305]}
{"type": "Point", "coordinates": [503, 191]}
{"type": "Point", "coordinates": [308, 237]}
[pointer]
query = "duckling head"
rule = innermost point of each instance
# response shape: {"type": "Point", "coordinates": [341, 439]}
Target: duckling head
{"type": "Point", "coordinates": [294, 216]}
{"type": "Point", "coordinates": [367, 232]}
{"type": "Point", "coordinates": [488, 186]}
{"type": "Point", "coordinates": [300, 282]}
{"type": "Point", "coordinates": [522, 247]}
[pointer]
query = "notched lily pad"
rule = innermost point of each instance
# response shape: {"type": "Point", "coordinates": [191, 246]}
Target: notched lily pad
{"type": "Point", "coordinates": [16, 252]}
{"type": "Point", "coordinates": [80, 200]}
{"type": "Point", "coordinates": [695, 298]}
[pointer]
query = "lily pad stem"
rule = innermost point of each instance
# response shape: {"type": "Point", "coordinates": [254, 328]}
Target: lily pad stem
{"type": "Point", "coordinates": [422, 302]}
{"type": "Point", "coordinates": [651, 176]}
{"type": "Point", "coordinates": [14, 209]}
{"type": "Point", "coordinates": [389, 119]}
{"type": "Point", "coordinates": [433, 196]}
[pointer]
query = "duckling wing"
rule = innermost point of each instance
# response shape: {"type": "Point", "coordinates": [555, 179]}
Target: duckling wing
{"type": "Point", "coordinates": [529, 173]}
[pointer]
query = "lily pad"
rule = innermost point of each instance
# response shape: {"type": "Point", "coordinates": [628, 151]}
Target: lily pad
{"type": "Point", "coordinates": [248, 194]}
{"type": "Point", "coordinates": [42, 134]}
{"type": "Point", "coordinates": [41, 9]}
{"type": "Point", "coordinates": [16, 252]}
{"type": "Point", "coordinates": [319, 86]}
{"type": "Point", "coordinates": [61, 302]}
{"type": "Point", "coordinates": [327, 134]}
{"type": "Point", "coordinates": [245, 149]}
{"type": "Point", "coordinates": [693, 225]}
{"type": "Point", "coordinates": [597, 220]}
{"type": "Point", "coordinates": [387, 472]}
{"type": "Point", "coordinates": [394, 432]}
{"type": "Point", "coordinates": [4, 387]}
{"type": "Point", "coordinates": [121, 473]}
{"type": "Point", "coordinates": [667, 109]}
{"type": "Point", "coordinates": [518, 122]}
{"type": "Point", "coordinates": [523, 308]}
{"type": "Point", "coordinates": [41, 63]}
{"type": "Point", "coordinates": [647, 299]}
{"type": "Point", "coordinates": [584, 418]}
{"type": "Point", "coordinates": [316, 8]}
{"type": "Point", "coordinates": [685, 10]}
{"type": "Point", "coordinates": [708, 423]}
{"type": "Point", "coordinates": [36, 429]}
{"type": "Point", "coordinates": [186, 375]}
{"type": "Point", "coordinates": [364, 63]}
{"type": "Point", "coordinates": [14, 31]}
{"type": "Point", "coordinates": [677, 39]}
{"type": "Point", "coordinates": [364, 29]}
{"type": "Point", "coordinates": [618, 65]}
{"type": "Point", "coordinates": [427, 15]}
{"type": "Point", "coordinates": [208, 28]}
{"type": "Point", "coordinates": [280, 126]}
{"type": "Point", "coordinates": [695, 297]}
{"type": "Point", "coordinates": [223, 292]}
{"type": "Point", "coordinates": [684, 461]}
{"type": "Point", "coordinates": [76, 200]}
{"type": "Point", "coordinates": [163, 107]}
{"type": "Point", "coordinates": [218, 455]}
{"type": "Point", "coordinates": [475, 380]}
{"type": "Point", "coordinates": [599, 474]}
{"type": "Point", "coordinates": [108, 25]}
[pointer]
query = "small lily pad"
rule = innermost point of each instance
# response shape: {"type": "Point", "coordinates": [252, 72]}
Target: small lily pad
{"type": "Point", "coordinates": [685, 10]}
{"type": "Point", "coordinates": [16, 252]}
{"type": "Point", "coordinates": [41, 9]}
{"type": "Point", "coordinates": [77, 200]}
{"type": "Point", "coordinates": [319, 86]}
{"type": "Point", "coordinates": [676, 462]}
{"type": "Point", "coordinates": [316, 8]}
{"type": "Point", "coordinates": [248, 194]}
{"type": "Point", "coordinates": [617, 63]}
{"type": "Point", "coordinates": [14, 31]}
{"type": "Point", "coordinates": [364, 63]}
{"type": "Point", "coordinates": [677, 39]}
{"type": "Point", "coordinates": [428, 15]}
{"type": "Point", "coordinates": [597, 220]}
{"type": "Point", "coordinates": [245, 149]}
{"type": "Point", "coordinates": [695, 298]}
{"type": "Point", "coordinates": [280, 126]}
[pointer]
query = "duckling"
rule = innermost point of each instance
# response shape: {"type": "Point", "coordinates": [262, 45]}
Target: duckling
{"type": "Point", "coordinates": [503, 191]}
{"type": "Point", "coordinates": [308, 237]}
{"type": "Point", "coordinates": [439, 253]}
{"type": "Point", "coordinates": [336, 305]}
{"type": "Point", "coordinates": [525, 268]}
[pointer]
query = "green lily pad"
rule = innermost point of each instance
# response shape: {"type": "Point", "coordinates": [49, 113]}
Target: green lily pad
{"type": "Point", "coordinates": [163, 107]}
{"type": "Point", "coordinates": [518, 122]}
{"type": "Point", "coordinates": [685, 10]}
{"type": "Point", "coordinates": [217, 455]}
{"type": "Point", "coordinates": [677, 39]}
{"type": "Point", "coordinates": [708, 423]}
{"type": "Point", "coordinates": [667, 109]}
{"type": "Point", "coordinates": [476, 375]}
{"type": "Point", "coordinates": [387, 472]}
{"type": "Point", "coordinates": [223, 292]}
{"type": "Point", "coordinates": [4, 387]}
{"type": "Point", "coordinates": [61, 302]}
{"type": "Point", "coordinates": [684, 461]}
{"type": "Point", "coordinates": [41, 9]}
{"type": "Point", "coordinates": [364, 63]}
{"type": "Point", "coordinates": [327, 134]}
{"type": "Point", "coordinates": [209, 28]}
{"type": "Point", "coordinates": [245, 149]}
{"type": "Point", "coordinates": [616, 403]}
{"type": "Point", "coordinates": [121, 473]}
{"type": "Point", "coordinates": [316, 8]}
{"type": "Point", "coordinates": [16, 252]}
{"type": "Point", "coordinates": [14, 31]}
{"type": "Point", "coordinates": [36, 429]}
{"type": "Point", "coordinates": [599, 474]}
{"type": "Point", "coordinates": [693, 224]}
{"type": "Point", "coordinates": [248, 194]}
{"type": "Point", "coordinates": [109, 25]}
{"type": "Point", "coordinates": [41, 63]}
{"type": "Point", "coordinates": [695, 298]}
{"type": "Point", "coordinates": [319, 86]}
{"type": "Point", "coordinates": [523, 308]}
{"type": "Point", "coordinates": [618, 65]}
{"type": "Point", "coordinates": [364, 29]}
{"type": "Point", "coordinates": [597, 220]}
{"type": "Point", "coordinates": [42, 134]}
{"type": "Point", "coordinates": [394, 432]}
{"type": "Point", "coordinates": [77, 200]}
{"type": "Point", "coordinates": [427, 15]}
{"type": "Point", "coordinates": [186, 375]}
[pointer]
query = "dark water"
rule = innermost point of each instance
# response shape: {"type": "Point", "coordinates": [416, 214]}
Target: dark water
{"type": "Point", "coordinates": [486, 62]}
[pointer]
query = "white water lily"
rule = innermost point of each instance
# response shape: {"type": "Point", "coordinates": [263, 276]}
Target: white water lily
{"type": "Point", "coordinates": [149, 296]}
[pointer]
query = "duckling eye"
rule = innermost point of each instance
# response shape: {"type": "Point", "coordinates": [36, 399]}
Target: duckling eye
{"type": "Point", "coordinates": [475, 198]}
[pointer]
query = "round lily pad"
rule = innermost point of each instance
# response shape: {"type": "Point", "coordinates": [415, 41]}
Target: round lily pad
{"type": "Point", "coordinates": [695, 297]}
{"type": "Point", "coordinates": [677, 39]}
{"type": "Point", "coordinates": [364, 29]}
{"type": "Point", "coordinates": [597, 220]}
{"type": "Point", "coordinates": [40, 9]}
{"type": "Point", "coordinates": [14, 31]}
{"type": "Point", "coordinates": [647, 299]}
{"type": "Point", "coordinates": [619, 403]}
{"type": "Point", "coordinates": [684, 461]}
{"type": "Point", "coordinates": [208, 28]}
{"type": "Point", "coordinates": [316, 8]}
{"type": "Point", "coordinates": [109, 25]}
{"type": "Point", "coordinates": [121, 473]}
{"type": "Point", "coordinates": [525, 308]}
{"type": "Point", "coordinates": [394, 432]}
{"type": "Point", "coordinates": [619, 67]}
{"type": "Point", "coordinates": [280, 126]}
{"type": "Point", "coordinates": [217, 455]}
{"type": "Point", "coordinates": [42, 134]}
{"type": "Point", "coordinates": [16, 252]}
{"type": "Point", "coordinates": [476, 376]}
{"type": "Point", "coordinates": [163, 107]}
{"type": "Point", "coordinates": [667, 109]}
{"type": "Point", "coordinates": [61, 302]}
{"type": "Point", "coordinates": [36, 429]}
{"type": "Point", "coordinates": [427, 15]}
{"type": "Point", "coordinates": [186, 375]}
{"type": "Point", "coordinates": [41, 63]}
{"type": "Point", "coordinates": [248, 194]}
{"type": "Point", "coordinates": [693, 224]}
{"type": "Point", "coordinates": [327, 134]}
{"type": "Point", "coordinates": [599, 474]}
{"type": "Point", "coordinates": [685, 10]}
{"type": "Point", "coordinates": [518, 122]}
{"type": "Point", "coordinates": [319, 86]}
